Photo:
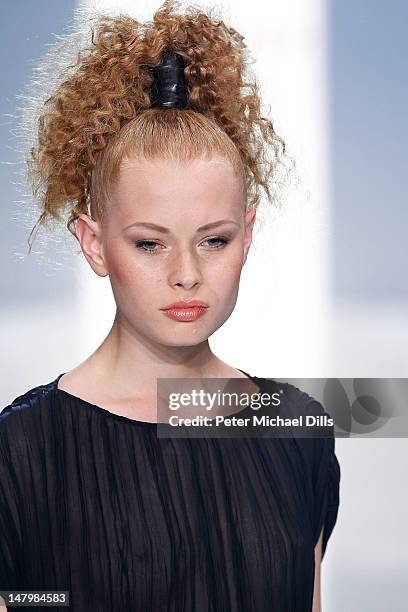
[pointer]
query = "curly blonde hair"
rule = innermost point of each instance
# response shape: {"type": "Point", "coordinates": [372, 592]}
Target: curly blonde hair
{"type": "Point", "coordinates": [100, 114]}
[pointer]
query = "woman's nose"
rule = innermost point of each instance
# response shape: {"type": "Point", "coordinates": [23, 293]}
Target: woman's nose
{"type": "Point", "coordinates": [185, 269]}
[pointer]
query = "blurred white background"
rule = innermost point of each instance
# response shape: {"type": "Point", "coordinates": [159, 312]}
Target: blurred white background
{"type": "Point", "coordinates": [326, 278]}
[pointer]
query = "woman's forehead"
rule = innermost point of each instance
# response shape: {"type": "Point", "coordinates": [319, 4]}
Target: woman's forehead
{"type": "Point", "coordinates": [161, 181]}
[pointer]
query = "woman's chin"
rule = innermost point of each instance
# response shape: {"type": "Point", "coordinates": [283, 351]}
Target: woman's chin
{"type": "Point", "coordinates": [184, 339]}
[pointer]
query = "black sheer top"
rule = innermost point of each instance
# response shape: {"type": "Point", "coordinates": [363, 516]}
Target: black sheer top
{"type": "Point", "coordinates": [97, 504]}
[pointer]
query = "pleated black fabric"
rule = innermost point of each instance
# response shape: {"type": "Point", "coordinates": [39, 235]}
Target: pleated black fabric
{"type": "Point", "coordinates": [97, 504]}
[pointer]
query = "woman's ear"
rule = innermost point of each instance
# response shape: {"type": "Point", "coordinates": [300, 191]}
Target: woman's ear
{"type": "Point", "coordinates": [89, 236]}
{"type": "Point", "coordinates": [249, 226]}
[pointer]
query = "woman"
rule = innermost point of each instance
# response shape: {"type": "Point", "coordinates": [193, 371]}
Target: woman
{"type": "Point", "coordinates": [159, 150]}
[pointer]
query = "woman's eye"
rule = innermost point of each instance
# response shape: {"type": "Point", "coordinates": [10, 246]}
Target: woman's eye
{"type": "Point", "coordinates": [146, 245]}
{"type": "Point", "coordinates": [221, 240]}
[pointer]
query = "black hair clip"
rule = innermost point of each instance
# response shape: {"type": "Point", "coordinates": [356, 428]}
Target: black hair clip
{"type": "Point", "coordinates": [169, 87]}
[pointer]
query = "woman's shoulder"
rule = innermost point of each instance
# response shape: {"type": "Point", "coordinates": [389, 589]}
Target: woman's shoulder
{"type": "Point", "coordinates": [307, 420]}
{"type": "Point", "coordinates": [316, 451]}
{"type": "Point", "coordinates": [27, 432]}
{"type": "Point", "coordinates": [293, 401]}
{"type": "Point", "coordinates": [25, 406]}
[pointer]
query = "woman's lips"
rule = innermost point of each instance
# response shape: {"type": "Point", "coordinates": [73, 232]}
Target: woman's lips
{"type": "Point", "coordinates": [185, 314]}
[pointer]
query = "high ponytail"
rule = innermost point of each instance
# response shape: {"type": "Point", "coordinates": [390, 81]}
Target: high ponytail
{"type": "Point", "coordinates": [102, 112]}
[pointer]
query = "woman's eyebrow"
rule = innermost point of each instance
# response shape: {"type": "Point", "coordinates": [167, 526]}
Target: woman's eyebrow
{"type": "Point", "coordinates": [165, 230]}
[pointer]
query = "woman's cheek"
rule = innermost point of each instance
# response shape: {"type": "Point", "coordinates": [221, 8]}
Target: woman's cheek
{"type": "Point", "coordinates": [121, 273]}
{"type": "Point", "coordinates": [235, 269]}
{"type": "Point", "coordinates": [120, 266]}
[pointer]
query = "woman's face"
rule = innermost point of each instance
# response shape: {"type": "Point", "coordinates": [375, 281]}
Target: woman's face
{"type": "Point", "coordinates": [156, 249]}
